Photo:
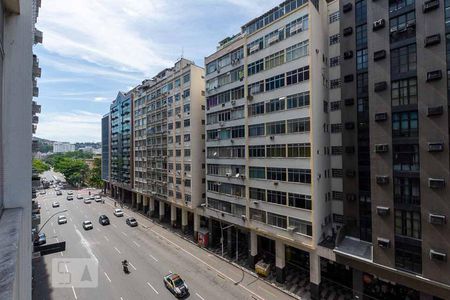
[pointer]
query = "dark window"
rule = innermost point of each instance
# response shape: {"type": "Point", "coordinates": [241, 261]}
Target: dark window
{"type": "Point", "coordinates": [276, 174]}
{"type": "Point", "coordinates": [296, 76]}
{"type": "Point", "coordinates": [257, 194]}
{"type": "Point", "coordinates": [403, 26]}
{"type": "Point", "coordinates": [408, 257]}
{"type": "Point", "coordinates": [361, 36]}
{"type": "Point", "coordinates": [257, 151]}
{"type": "Point", "coordinates": [399, 4]}
{"type": "Point", "coordinates": [405, 124]}
{"type": "Point", "coordinates": [275, 82]}
{"type": "Point", "coordinates": [407, 190]}
{"type": "Point", "coordinates": [406, 157]}
{"type": "Point", "coordinates": [361, 11]}
{"type": "Point", "coordinates": [404, 59]}
{"type": "Point", "coordinates": [278, 127]}
{"type": "Point", "coordinates": [256, 109]}
{"type": "Point", "coordinates": [256, 130]}
{"type": "Point", "coordinates": [299, 175]}
{"type": "Point", "coordinates": [276, 150]}
{"type": "Point", "coordinates": [404, 92]}
{"type": "Point", "coordinates": [362, 84]}
{"type": "Point", "coordinates": [299, 150]}
{"type": "Point", "coordinates": [362, 59]}
{"type": "Point", "coordinates": [257, 172]}
{"type": "Point", "coordinates": [255, 67]}
{"type": "Point", "coordinates": [407, 223]}
{"type": "Point", "coordinates": [275, 105]}
{"type": "Point", "coordinates": [276, 197]}
{"type": "Point", "coordinates": [300, 201]}
{"type": "Point", "coordinates": [298, 100]}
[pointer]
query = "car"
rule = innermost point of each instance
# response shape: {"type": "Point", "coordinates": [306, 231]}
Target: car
{"type": "Point", "coordinates": [57, 189]}
{"type": "Point", "coordinates": [58, 193]}
{"type": "Point", "coordinates": [87, 225]}
{"type": "Point", "coordinates": [176, 285]}
{"type": "Point", "coordinates": [40, 239]}
{"type": "Point", "coordinates": [42, 193]}
{"type": "Point", "coordinates": [62, 220]}
{"type": "Point", "coordinates": [132, 222]}
{"type": "Point", "coordinates": [98, 198]}
{"type": "Point", "coordinates": [91, 198]}
{"type": "Point", "coordinates": [69, 193]}
{"type": "Point", "coordinates": [55, 204]}
{"type": "Point", "coordinates": [69, 197]}
{"type": "Point", "coordinates": [118, 212]}
{"type": "Point", "coordinates": [87, 201]}
{"type": "Point", "coordinates": [80, 197]}
{"type": "Point", "coordinates": [104, 220]}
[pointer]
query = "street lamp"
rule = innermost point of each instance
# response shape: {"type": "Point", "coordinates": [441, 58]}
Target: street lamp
{"type": "Point", "coordinates": [49, 219]}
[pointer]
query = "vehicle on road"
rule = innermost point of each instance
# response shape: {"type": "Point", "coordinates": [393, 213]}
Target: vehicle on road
{"type": "Point", "coordinates": [40, 239]}
{"type": "Point", "coordinates": [69, 197]}
{"type": "Point", "coordinates": [91, 198]}
{"type": "Point", "coordinates": [87, 225]}
{"type": "Point", "coordinates": [69, 193]}
{"type": "Point", "coordinates": [98, 198]}
{"type": "Point", "coordinates": [132, 222]}
{"type": "Point", "coordinates": [55, 204]}
{"type": "Point", "coordinates": [118, 212]}
{"type": "Point", "coordinates": [58, 193]}
{"type": "Point", "coordinates": [104, 220]}
{"type": "Point", "coordinates": [62, 220]}
{"type": "Point", "coordinates": [87, 201]}
{"type": "Point", "coordinates": [80, 197]}
{"type": "Point", "coordinates": [42, 192]}
{"type": "Point", "coordinates": [57, 188]}
{"type": "Point", "coordinates": [176, 285]}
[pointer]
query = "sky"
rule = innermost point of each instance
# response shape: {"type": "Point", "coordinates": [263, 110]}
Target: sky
{"type": "Point", "coordinates": [94, 48]}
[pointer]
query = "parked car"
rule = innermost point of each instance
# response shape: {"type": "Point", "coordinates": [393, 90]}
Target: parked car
{"type": "Point", "coordinates": [69, 193]}
{"type": "Point", "coordinates": [176, 285]}
{"type": "Point", "coordinates": [62, 220]}
{"type": "Point", "coordinates": [69, 197]}
{"type": "Point", "coordinates": [58, 193]}
{"type": "Point", "coordinates": [104, 220]}
{"type": "Point", "coordinates": [118, 212]}
{"type": "Point", "coordinates": [98, 198]}
{"type": "Point", "coordinates": [132, 222]}
{"type": "Point", "coordinates": [40, 239]}
{"type": "Point", "coordinates": [87, 225]}
{"type": "Point", "coordinates": [55, 204]}
{"type": "Point", "coordinates": [80, 197]}
{"type": "Point", "coordinates": [87, 201]}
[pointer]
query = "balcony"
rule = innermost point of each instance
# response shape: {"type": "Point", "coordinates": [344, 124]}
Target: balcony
{"type": "Point", "coordinates": [36, 108]}
{"type": "Point", "coordinates": [35, 91]}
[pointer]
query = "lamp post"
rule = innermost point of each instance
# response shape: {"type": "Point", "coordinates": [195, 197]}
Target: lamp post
{"type": "Point", "coordinates": [50, 218]}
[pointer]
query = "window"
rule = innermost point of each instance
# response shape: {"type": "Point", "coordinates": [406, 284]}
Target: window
{"type": "Point", "coordinates": [187, 182]}
{"type": "Point", "coordinates": [276, 174]}
{"type": "Point", "coordinates": [278, 127]}
{"type": "Point", "coordinates": [299, 150]}
{"type": "Point", "coordinates": [337, 173]}
{"type": "Point", "coordinates": [407, 223]}
{"type": "Point", "coordinates": [404, 92]}
{"type": "Point", "coordinates": [303, 227]}
{"type": "Point", "coordinates": [255, 67]}
{"type": "Point", "coordinates": [277, 220]}
{"type": "Point", "coordinates": [361, 36]}
{"type": "Point", "coordinates": [335, 38]}
{"type": "Point", "coordinates": [403, 26]}
{"type": "Point", "coordinates": [299, 175]}
{"type": "Point", "coordinates": [256, 109]}
{"type": "Point", "coordinates": [276, 197]}
{"type": "Point", "coordinates": [335, 105]}
{"type": "Point", "coordinates": [257, 215]}
{"type": "Point", "coordinates": [187, 167]}
{"type": "Point", "coordinates": [255, 46]}
{"type": "Point", "coordinates": [405, 124]}
{"type": "Point", "coordinates": [187, 123]}
{"type": "Point", "coordinates": [403, 59]}
{"type": "Point", "coordinates": [257, 172]}
{"type": "Point", "coordinates": [237, 132]}
{"type": "Point", "coordinates": [237, 93]}
{"type": "Point", "coordinates": [335, 83]}
{"type": "Point", "coordinates": [256, 88]}
{"type": "Point", "coordinates": [257, 194]}
{"type": "Point", "coordinates": [187, 78]}
{"type": "Point", "coordinates": [361, 11]}
{"type": "Point", "coordinates": [334, 17]}
{"type": "Point", "coordinates": [297, 51]}
{"type": "Point", "coordinates": [297, 76]}
{"type": "Point", "coordinates": [298, 100]}
{"type": "Point", "coordinates": [187, 108]}
{"type": "Point", "coordinates": [275, 105]}
{"type": "Point", "coordinates": [335, 61]}
{"type": "Point", "coordinates": [187, 152]}
{"type": "Point", "coordinates": [362, 59]}
{"type": "Point", "coordinates": [336, 150]}
{"type": "Point", "coordinates": [297, 26]}
{"type": "Point", "coordinates": [187, 137]}
{"type": "Point", "coordinates": [298, 125]}
{"type": "Point", "coordinates": [408, 257]}
{"type": "Point", "coordinates": [256, 130]}
{"type": "Point", "coordinates": [186, 93]}
{"type": "Point", "coordinates": [362, 84]}
{"type": "Point", "coordinates": [257, 151]}
{"type": "Point", "coordinates": [276, 150]}
{"type": "Point", "coordinates": [407, 190]}
{"type": "Point", "coordinates": [274, 60]}
{"type": "Point", "coordinates": [300, 201]}
{"type": "Point", "coordinates": [399, 4]}
{"type": "Point", "coordinates": [275, 82]}
{"type": "Point", "coordinates": [406, 158]}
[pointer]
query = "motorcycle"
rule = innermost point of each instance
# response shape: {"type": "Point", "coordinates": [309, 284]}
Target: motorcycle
{"type": "Point", "coordinates": [125, 267]}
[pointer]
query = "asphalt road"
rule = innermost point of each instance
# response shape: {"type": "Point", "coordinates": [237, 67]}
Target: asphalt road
{"type": "Point", "coordinates": [151, 250]}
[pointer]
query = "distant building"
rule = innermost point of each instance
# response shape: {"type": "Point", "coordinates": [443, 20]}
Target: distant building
{"type": "Point", "coordinates": [63, 147]}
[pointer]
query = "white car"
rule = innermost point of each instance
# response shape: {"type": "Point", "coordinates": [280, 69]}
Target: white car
{"type": "Point", "coordinates": [69, 193]}
{"type": "Point", "coordinates": [55, 204]}
{"type": "Point", "coordinates": [87, 225]}
{"type": "Point", "coordinates": [62, 220]}
{"type": "Point", "coordinates": [98, 198]}
{"type": "Point", "coordinates": [79, 196]}
{"type": "Point", "coordinates": [87, 201]}
{"type": "Point", "coordinates": [118, 212]}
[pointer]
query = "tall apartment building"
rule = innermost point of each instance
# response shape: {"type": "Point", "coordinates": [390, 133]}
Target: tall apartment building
{"type": "Point", "coordinates": [18, 115]}
{"type": "Point", "coordinates": [269, 158]}
{"type": "Point", "coordinates": [169, 144]}
{"type": "Point", "coordinates": [121, 141]}
{"type": "Point", "coordinates": [395, 112]}
{"type": "Point", "coordinates": [105, 149]}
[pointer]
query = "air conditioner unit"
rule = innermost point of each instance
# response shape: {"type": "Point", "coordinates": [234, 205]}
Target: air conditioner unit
{"type": "Point", "coordinates": [438, 255]}
{"type": "Point", "coordinates": [228, 174]}
{"type": "Point", "coordinates": [437, 219]}
{"type": "Point", "coordinates": [377, 25]}
{"type": "Point", "coordinates": [291, 229]}
{"type": "Point", "coordinates": [272, 137]}
{"type": "Point", "coordinates": [249, 97]}
{"type": "Point", "coordinates": [381, 148]}
{"type": "Point", "coordinates": [221, 123]}
{"type": "Point", "coordinates": [382, 210]}
{"type": "Point", "coordinates": [233, 102]}
{"type": "Point", "coordinates": [436, 147]}
{"type": "Point", "coordinates": [384, 243]}
{"type": "Point", "coordinates": [256, 202]}
{"type": "Point", "coordinates": [436, 183]}
{"type": "Point", "coordinates": [242, 176]}
{"type": "Point", "coordinates": [275, 183]}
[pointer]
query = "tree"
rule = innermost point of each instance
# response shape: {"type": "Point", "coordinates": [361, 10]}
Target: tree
{"type": "Point", "coordinates": [40, 166]}
{"type": "Point", "coordinates": [74, 170]}
{"type": "Point", "coordinates": [94, 177]}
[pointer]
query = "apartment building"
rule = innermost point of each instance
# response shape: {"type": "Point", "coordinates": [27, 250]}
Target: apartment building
{"type": "Point", "coordinates": [121, 140]}
{"type": "Point", "coordinates": [59, 147]}
{"type": "Point", "coordinates": [169, 125]}
{"type": "Point", "coordinates": [105, 150]}
{"type": "Point", "coordinates": [396, 135]}
{"type": "Point", "coordinates": [270, 187]}
{"type": "Point", "coordinates": [18, 114]}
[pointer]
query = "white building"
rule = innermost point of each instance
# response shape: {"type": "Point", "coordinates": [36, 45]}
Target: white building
{"type": "Point", "coordinates": [61, 147]}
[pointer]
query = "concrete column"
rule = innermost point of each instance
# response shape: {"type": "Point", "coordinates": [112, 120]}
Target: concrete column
{"type": "Point", "coordinates": [315, 276]}
{"type": "Point", "coordinates": [122, 195]}
{"type": "Point", "coordinates": [151, 206]}
{"type": "Point", "coordinates": [358, 285]}
{"type": "Point", "coordinates": [253, 246]}
{"type": "Point", "coordinates": [184, 220]}
{"type": "Point", "coordinates": [230, 241]}
{"type": "Point", "coordinates": [145, 203]}
{"type": "Point", "coordinates": [139, 202]}
{"type": "Point", "coordinates": [161, 210]}
{"type": "Point", "coordinates": [280, 261]}
{"type": "Point", "coordinates": [210, 244]}
{"type": "Point", "coordinates": [173, 215]}
{"type": "Point", "coordinates": [196, 225]}
{"type": "Point", "coordinates": [133, 199]}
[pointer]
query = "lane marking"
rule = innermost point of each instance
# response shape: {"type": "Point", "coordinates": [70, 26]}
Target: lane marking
{"type": "Point", "coordinates": [86, 245]}
{"type": "Point", "coordinates": [268, 292]}
{"type": "Point", "coordinates": [121, 298]}
{"type": "Point", "coordinates": [124, 233]}
{"type": "Point", "coordinates": [98, 229]}
{"type": "Point", "coordinates": [70, 219]}
{"type": "Point", "coordinates": [132, 266]}
{"type": "Point", "coordinates": [106, 238]}
{"type": "Point", "coordinates": [200, 296]}
{"type": "Point", "coordinates": [118, 250]}
{"type": "Point", "coordinates": [153, 257]}
{"type": "Point", "coordinates": [136, 244]}
{"type": "Point", "coordinates": [67, 269]}
{"type": "Point", "coordinates": [74, 294]}
{"type": "Point", "coordinates": [152, 288]}
{"type": "Point", "coordinates": [107, 276]}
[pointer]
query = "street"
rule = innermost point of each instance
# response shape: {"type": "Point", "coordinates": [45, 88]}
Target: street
{"type": "Point", "coordinates": [151, 250]}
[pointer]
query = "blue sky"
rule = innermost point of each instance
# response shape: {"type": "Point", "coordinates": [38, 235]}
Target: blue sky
{"type": "Point", "coordinates": [94, 48]}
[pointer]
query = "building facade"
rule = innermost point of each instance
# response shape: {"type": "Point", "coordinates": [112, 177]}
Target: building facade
{"type": "Point", "coordinates": [59, 147]}
{"type": "Point", "coordinates": [105, 147]}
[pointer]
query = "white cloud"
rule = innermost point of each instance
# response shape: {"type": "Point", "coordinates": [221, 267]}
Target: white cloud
{"type": "Point", "coordinates": [76, 126]}
{"type": "Point", "coordinates": [102, 99]}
